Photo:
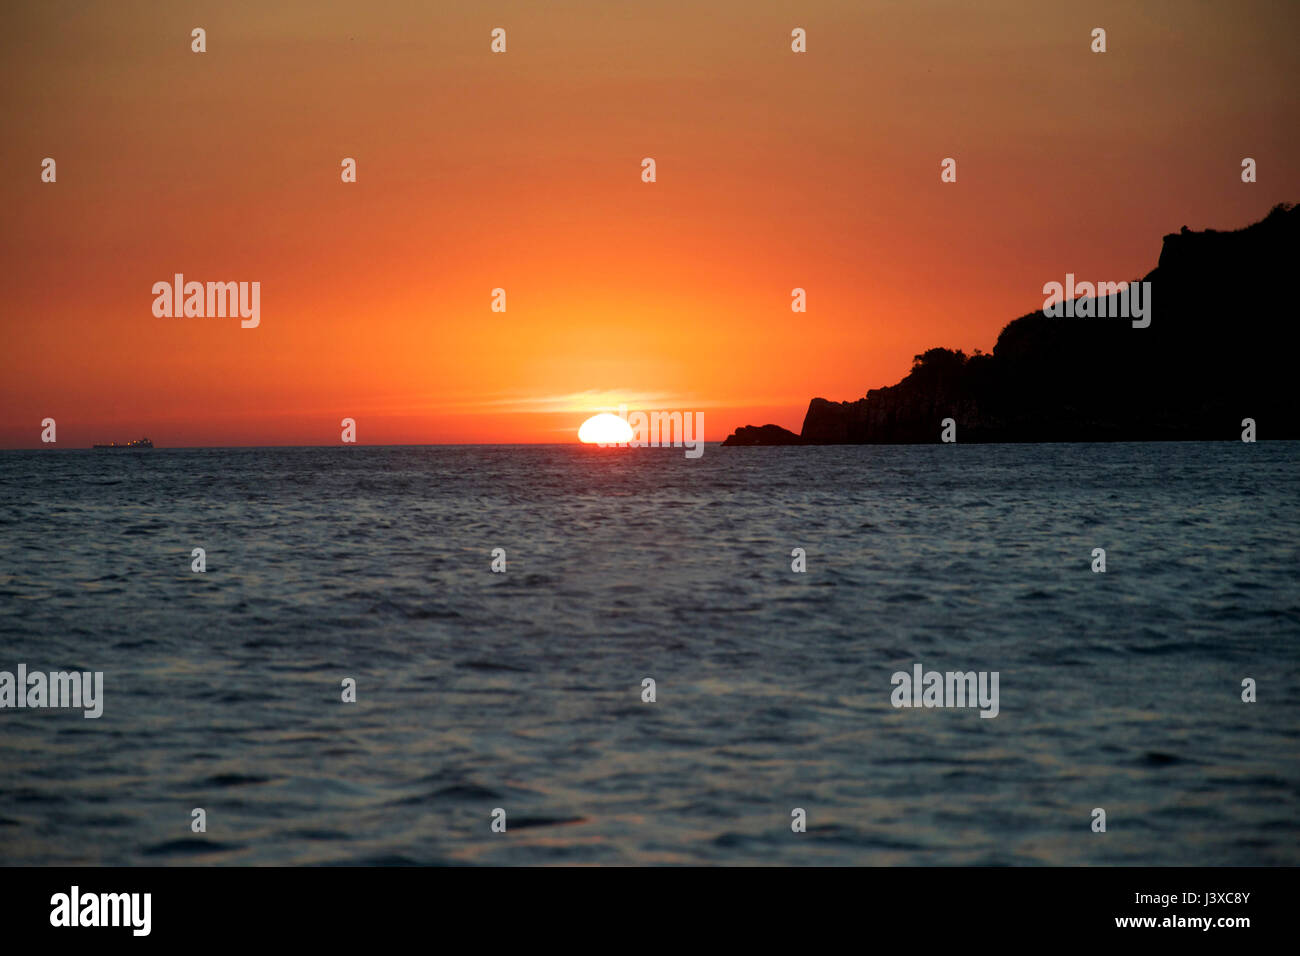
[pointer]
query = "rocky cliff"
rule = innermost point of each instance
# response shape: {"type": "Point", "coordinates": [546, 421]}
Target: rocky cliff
{"type": "Point", "coordinates": [1221, 346]}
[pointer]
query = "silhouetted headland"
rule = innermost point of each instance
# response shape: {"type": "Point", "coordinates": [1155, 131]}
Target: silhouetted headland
{"type": "Point", "coordinates": [1221, 346]}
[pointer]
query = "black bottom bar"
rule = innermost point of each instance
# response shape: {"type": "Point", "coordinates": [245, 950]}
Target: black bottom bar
{"type": "Point", "coordinates": [665, 906]}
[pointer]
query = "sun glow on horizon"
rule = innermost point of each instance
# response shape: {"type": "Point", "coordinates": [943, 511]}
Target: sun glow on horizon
{"type": "Point", "coordinates": [605, 429]}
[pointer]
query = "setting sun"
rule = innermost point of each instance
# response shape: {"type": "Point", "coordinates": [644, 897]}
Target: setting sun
{"type": "Point", "coordinates": [605, 429]}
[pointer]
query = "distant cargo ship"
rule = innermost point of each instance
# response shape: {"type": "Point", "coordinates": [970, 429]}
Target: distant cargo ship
{"type": "Point", "coordinates": [138, 443]}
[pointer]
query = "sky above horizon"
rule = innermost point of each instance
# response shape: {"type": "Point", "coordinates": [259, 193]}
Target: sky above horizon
{"type": "Point", "coordinates": [522, 170]}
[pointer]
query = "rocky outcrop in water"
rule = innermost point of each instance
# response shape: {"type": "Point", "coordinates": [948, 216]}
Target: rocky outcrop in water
{"type": "Point", "coordinates": [763, 435]}
{"type": "Point", "coordinates": [1221, 346]}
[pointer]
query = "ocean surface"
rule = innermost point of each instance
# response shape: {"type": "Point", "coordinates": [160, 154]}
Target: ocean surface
{"type": "Point", "coordinates": [522, 690]}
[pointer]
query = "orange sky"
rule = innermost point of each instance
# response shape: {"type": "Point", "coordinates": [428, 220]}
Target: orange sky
{"type": "Point", "coordinates": [522, 171]}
